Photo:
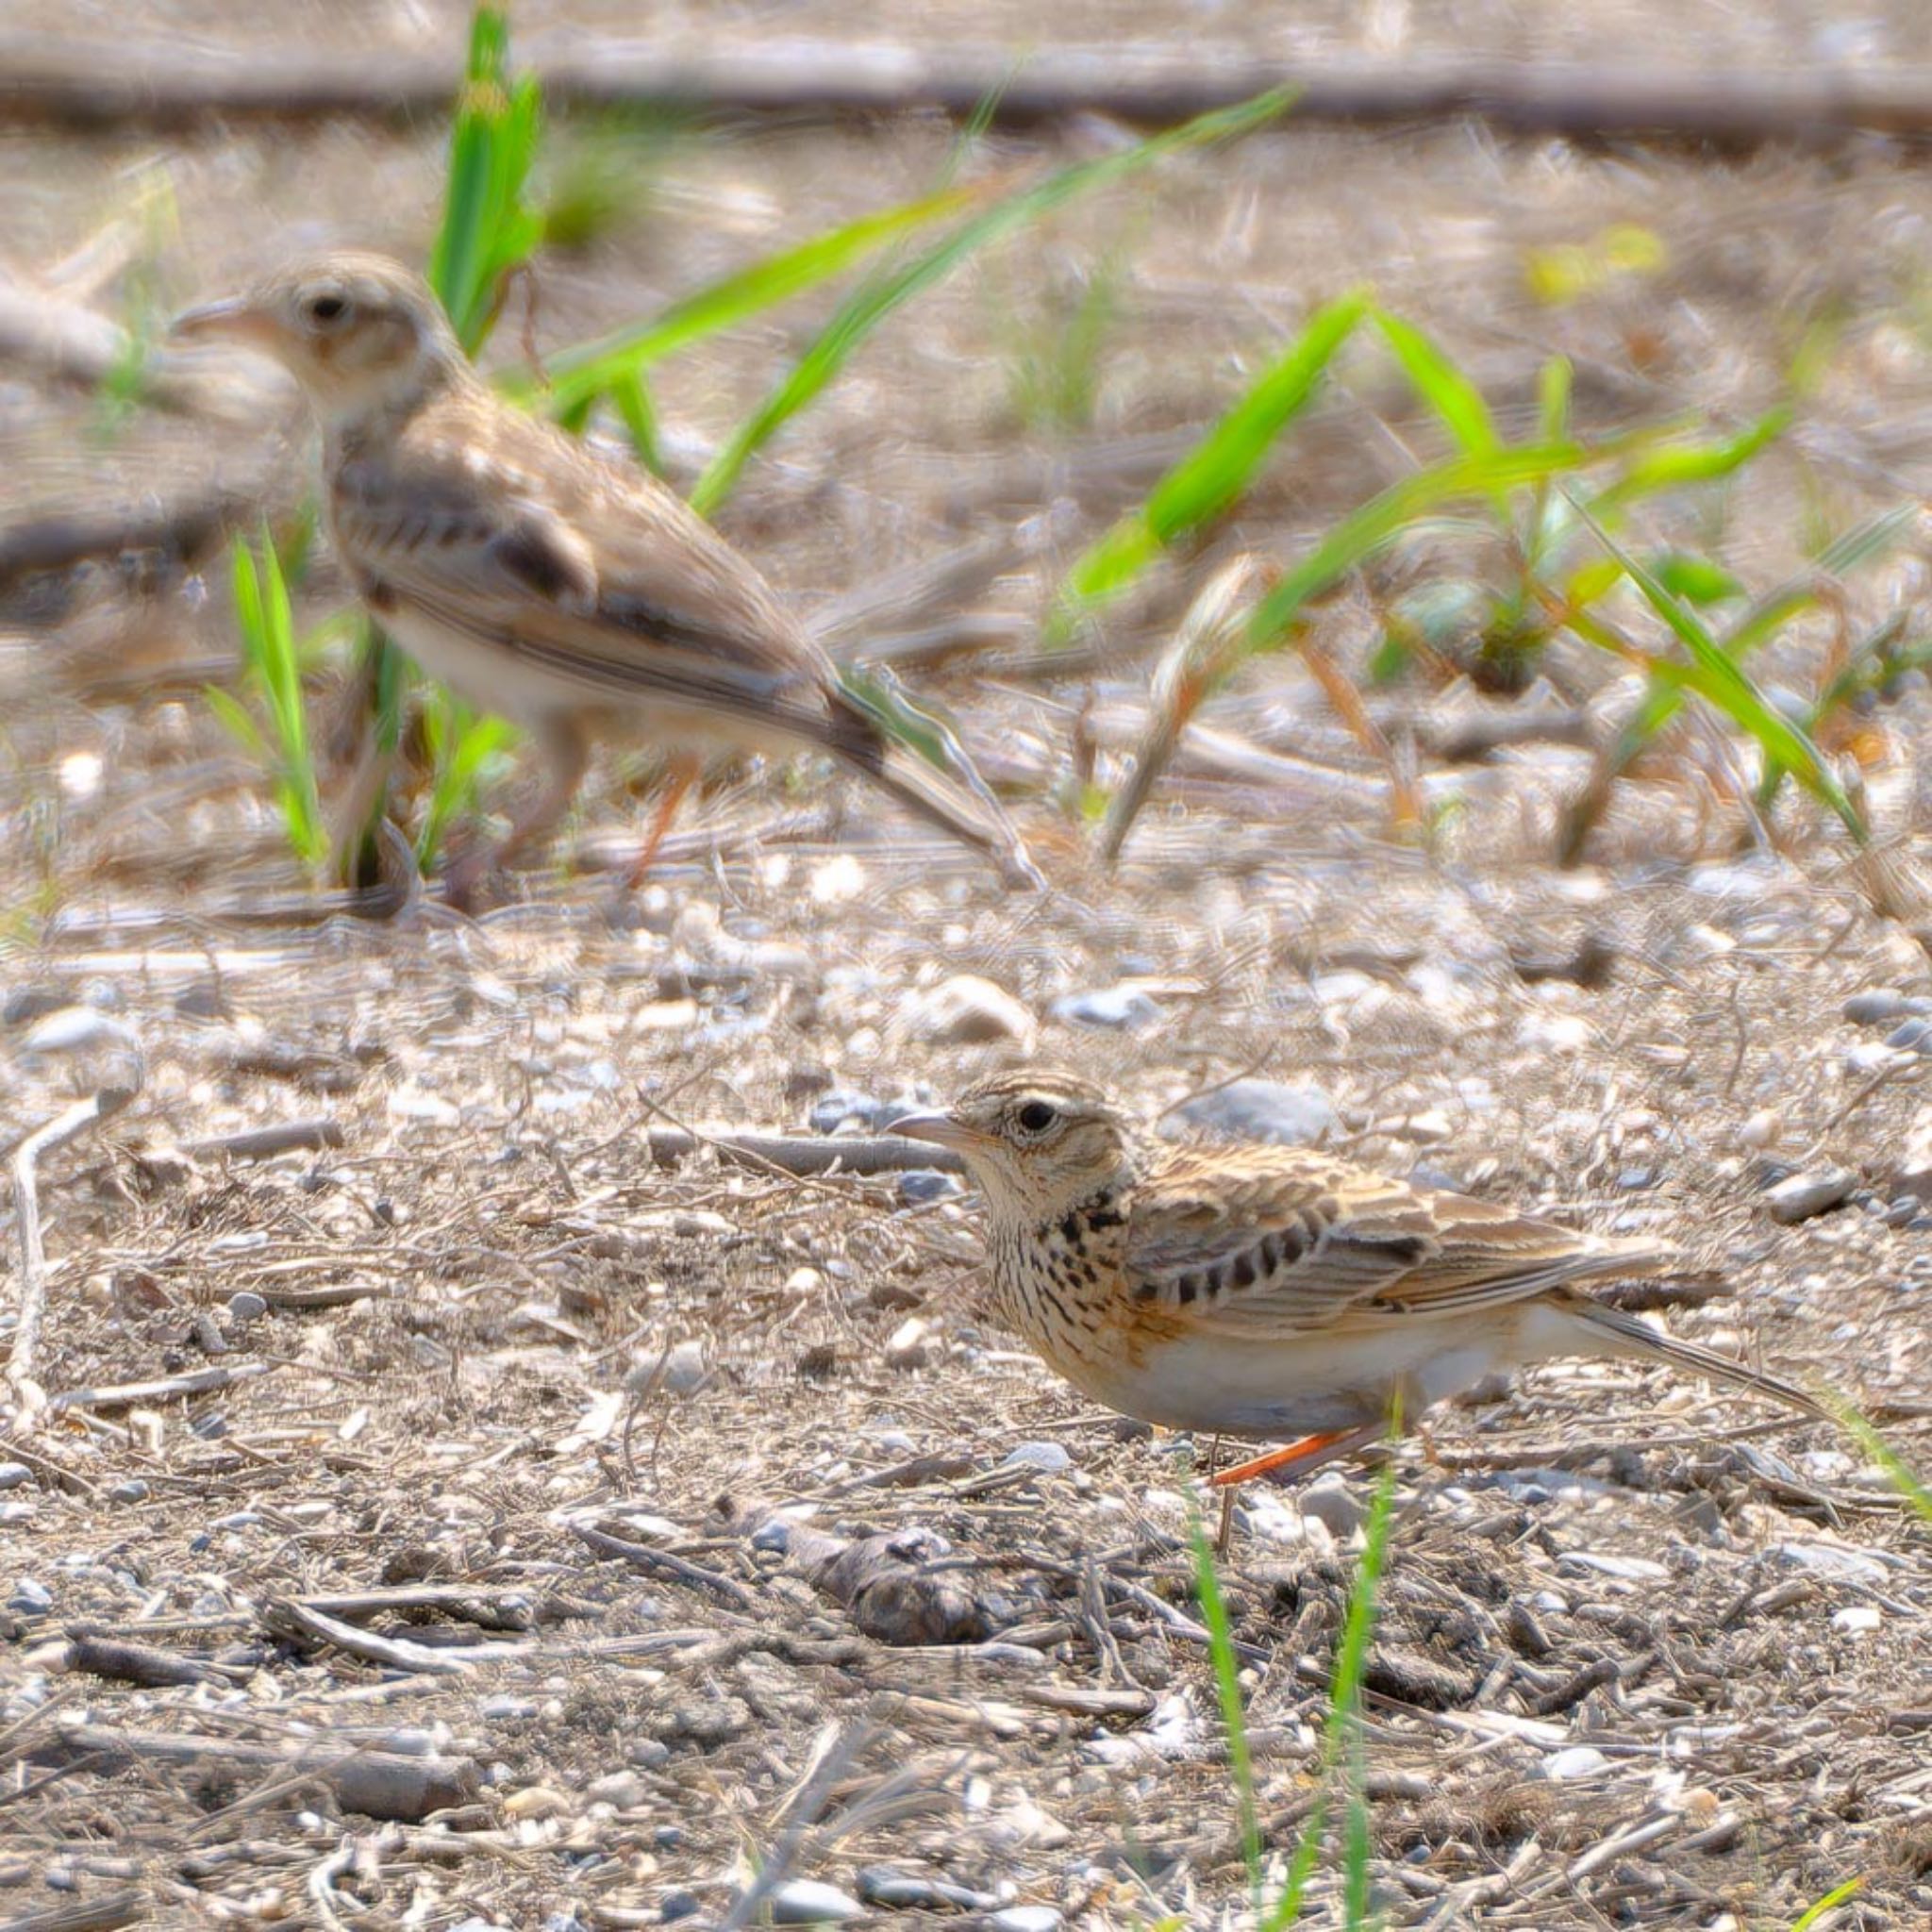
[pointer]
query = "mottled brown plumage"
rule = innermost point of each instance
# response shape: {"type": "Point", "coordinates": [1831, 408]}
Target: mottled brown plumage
{"type": "Point", "coordinates": [540, 579]}
{"type": "Point", "coordinates": [1270, 1291]}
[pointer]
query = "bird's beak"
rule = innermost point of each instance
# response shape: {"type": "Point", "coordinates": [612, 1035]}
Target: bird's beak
{"type": "Point", "coordinates": [942, 1130]}
{"type": "Point", "coordinates": [233, 319]}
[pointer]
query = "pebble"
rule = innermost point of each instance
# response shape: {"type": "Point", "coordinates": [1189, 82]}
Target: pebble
{"type": "Point", "coordinates": [965, 1010]}
{"type": "Point", "coordinates": [1025, 1919]}
{"type": "Point", "coordinates": [1119, 1008]}
{"type": "Point", "coordinates": [73, 1029]}
{"type": "Point", "coordinates": [679, 1904]}
{"type": "Point", "coordinates": [132, 1491]}
{"type": "Point", "coordinates": [1877, 1004]}
{"type": "Point", "coordinates": [919, 1185]}
{"type": "Point", "coordinates": [806, 1902]}
{"type": "Point", "coordinates": [1264, 1110]}
{"type": "Point", "coordinates": [31, 1597]}
{"type": "Point", "coordinates": [1330, 1501]}
{"type": "Point", "coordinates": [1799, 1196]}
{"type": "Point", "coordinates": [27, 1003]}
{"type": "Point", "coordinates": [849, 1104]}
{"type": "Point", "coordinates": [1052, 1458]}
{"type": "Point", "coordinates": [626, 1790]}
{"type": "Point", "coordinates": [1858, 1620]}
{"type": "Point", "coordinates": [896, 1892]}
{"type": "Point", "coordinates": [13, 1474]}
{"type": "Point", "coordinates": [1762, 1130]}
{"type": "Point", "coordinates": [1912, 1036]}
{"type": "Point", "coordinates": [906, 1347]}
{"type": "Point", "coordinates": [1580, 1760]}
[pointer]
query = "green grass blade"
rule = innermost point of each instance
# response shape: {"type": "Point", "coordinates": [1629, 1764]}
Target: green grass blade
{"type": "Point", "coordinates": [1443, 386]}
{"type": "Point", "coordinates": [1721, 682]}
{"type": "Point", "coordinates": [1672, 466]}
{"type": "Point", "coordinates": [1897, 1471]}
{"type": "Point", "coordinates": [1228, 1687]}
{"type": "Point", "coordinates": [1835, 1897]}
{"type": "Point", "coordinates": [863, 312]}
{"type": "Point", "coordinates": [578, 377]}
{"type": "Point", "coordinates": [234, 719]}
{"type": "Point", "coordinates": [1341, 1733]}
{"type": "Point", "coordinates": [1213, 475]}
{"type": "Point", "coordinates": [1352, 541]}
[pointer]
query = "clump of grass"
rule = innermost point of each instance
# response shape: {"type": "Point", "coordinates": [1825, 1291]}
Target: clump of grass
{"type": "Point", "coordinates": [1551, 507]}
{"type": "Point", "coordinates": [1339, 1761]}
{"type": "Point", "coordinates": [1056, 361]}
{"type": "Point", "coordinates": [272, 671]}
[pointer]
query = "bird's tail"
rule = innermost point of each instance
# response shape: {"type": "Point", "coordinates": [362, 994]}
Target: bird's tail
{"type": "Point", "coordinates": [1639, 1339]}
{"type": "Point", "coordinates": [862, 736]}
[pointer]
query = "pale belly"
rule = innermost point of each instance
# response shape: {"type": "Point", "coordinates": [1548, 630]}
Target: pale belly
{"type": "Point", "coordinates": [1273, 1390]}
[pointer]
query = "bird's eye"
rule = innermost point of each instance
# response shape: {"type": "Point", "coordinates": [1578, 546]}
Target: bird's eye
{"type": "Point", "coordinates": [326, 310]}
{"type": "Point", "coordinates": [1036, 1117]}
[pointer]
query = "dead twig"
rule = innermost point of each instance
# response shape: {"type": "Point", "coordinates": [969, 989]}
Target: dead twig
{"type": "Point", "coordinates": [33, 1256]}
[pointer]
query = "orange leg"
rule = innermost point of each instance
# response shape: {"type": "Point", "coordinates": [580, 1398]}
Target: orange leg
{"type": "Point", "coordinates": [1311, 1449]}
{"type": "Point", "coordinates": [680, 773]}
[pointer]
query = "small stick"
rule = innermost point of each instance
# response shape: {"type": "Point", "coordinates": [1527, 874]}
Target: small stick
{"type": "Point", "coordinates": [164, 1389]}
{"type": "Point", "coordinates": [258, 1144]}
{"type": "Point", "coordinates": [662, 1563]}
{"type": "Point", "coordinates": [800, 1154]}
{"type": "Point", "coordinates": [141, 1663]}
{"type": "Point", "coordinates": [85, 1915]}
{"type": "Point", "coordinates": [33, 1254]}
{"type": "Point", "coordinates": [394, 1652]}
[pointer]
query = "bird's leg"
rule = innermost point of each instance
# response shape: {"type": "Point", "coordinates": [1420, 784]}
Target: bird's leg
{"type": "Point", "coordinates": [1310, 1452]}
{"type": "Point", "coordinates": [680, 773]}
{"type": "Point", "coordinates": [1225, 1534]}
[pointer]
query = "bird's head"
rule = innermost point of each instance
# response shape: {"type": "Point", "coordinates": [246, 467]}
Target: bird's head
{"type": "Point", "coordinates": [1039, 1143]}
{"type": "Point", "coordinates": [361, 333]}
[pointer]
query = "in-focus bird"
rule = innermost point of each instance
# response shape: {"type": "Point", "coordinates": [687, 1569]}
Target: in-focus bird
{"type": "Point", "coordinates": [1267, 1291]}
{"type": "Point", "coordinates": [540, 581]}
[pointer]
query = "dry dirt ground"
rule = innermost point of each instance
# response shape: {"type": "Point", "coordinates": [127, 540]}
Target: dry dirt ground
{"type": "Point", "coordinates": [438, 1512]}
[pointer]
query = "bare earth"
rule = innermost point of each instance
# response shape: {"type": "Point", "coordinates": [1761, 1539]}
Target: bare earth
{"type": "Point", "coordinates": [1647, 1656]}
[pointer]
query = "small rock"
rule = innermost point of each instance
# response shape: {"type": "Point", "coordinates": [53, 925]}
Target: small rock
{"type": "Point", "coordinates": [919, 1185]}
{"type": "Point", "coordinates": [906, 1347]}
{"type": "Point", "coordinates": [1052, 1458]}
{"type": "Point", "coordinates": [1762, 1130]}
{"type": "Point", "coordinates": [1329, 1501]}
{"type": "Point", "coordinates": [537, 1800]}
{"type": "Point", "coordinates": [1799, 1196]}
{"type": "Point", "coordinates": [1119, 1008]}
{"type": "Point", "coordinates": [1580, 1760]}
{"type": "Point", "coordinates": [1631, 1568]}
{"type": "Point", "coordinates": [625, 1790]}
{"type": "Point", "coordinates": [674, 1905]}
{"type": "Point", "coordinates": [1878, 1005]}
{"type": "Point", "coordinates": [1025, 1919]}
{"type": "Point", "coordinates": [667, 1838]}
{"type": "Point", "coordinates": [132, 1491]}
{"type": "Point", "coordinates": [805, 1902]}
{"type": "Point", "coordinates": [897, 1891]}
{"type": "Point", "coordinates": [1903, 1212]}
{"type": "Point", "coordinates": [965, 1010]}
{"type": "Point", "coordinates": [1858, 1620]}
{"type": "Point", "coordinates": [1264, 1110]}
{"type": "Point", "coordinates": [74, 1029]}
{"type": "Point", "coordinates": [679, 1370]}
{"type": "Point", "coordinates": [845, 1104]}
{"type": "Point", "coordinates": [31, 1597]}
{"type": "Point", "coordinates": [29, 1002]}
{"type": "Point", "coordinates": [1912, 1035]}
{"type": "Point", "coordinates": [13, 1474]}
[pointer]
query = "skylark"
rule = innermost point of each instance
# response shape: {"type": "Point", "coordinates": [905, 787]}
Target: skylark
{"type": "Point", "coordinates": [564, 591]}
{"type": "Point", "coordinates": [1265, 1291]}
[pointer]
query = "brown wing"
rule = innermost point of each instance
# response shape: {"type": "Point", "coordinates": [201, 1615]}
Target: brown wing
{"type": "Point", "coordinates": [1271, 1240]}
{"type": "Point", "coordinates": [501, 527]}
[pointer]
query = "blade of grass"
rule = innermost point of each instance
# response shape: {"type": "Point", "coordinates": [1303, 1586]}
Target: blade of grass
{"type": "Point", "coordinates": [578, 377]}
{"type": "Point", "coordinates": [1719, 679]}
{"type": "Point", "coordinates": [1210, 478]}
{"type": "Point", "coordinates": [1441, 385]}
{"type": "Point", "coordinates": [1897, 1471]}
{"type": "Point", "coordinates": [1340, 1732]}
{"type": "Point", "coordinates": [863, 312]}
{"type": "Point", "coordinates": [1227, 1686]}
{"type": "Point", "coordinates": [1835, 1897]}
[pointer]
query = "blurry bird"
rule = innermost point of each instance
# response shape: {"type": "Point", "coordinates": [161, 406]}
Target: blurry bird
{"type": "Point", "coordinates": [542, 581]}
{"type": "Point", "coordinates": [1269, 1292]}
